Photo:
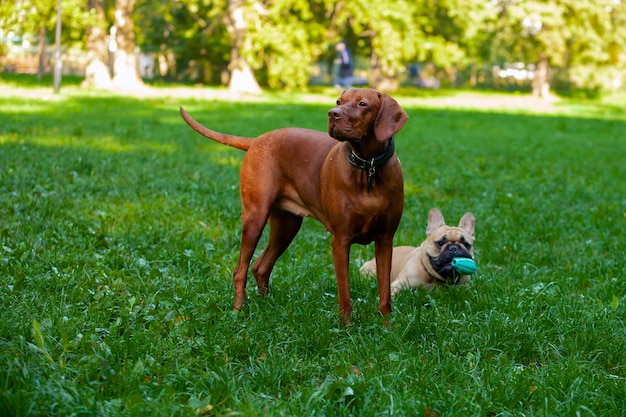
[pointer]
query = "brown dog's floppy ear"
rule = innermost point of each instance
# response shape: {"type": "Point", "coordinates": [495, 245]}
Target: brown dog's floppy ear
{"type": "Point", "coordinates": [391, 118]}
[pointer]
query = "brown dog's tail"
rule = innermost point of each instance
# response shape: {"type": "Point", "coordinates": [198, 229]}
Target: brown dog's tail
{"type": "Point", "coordinates": [239, 142]}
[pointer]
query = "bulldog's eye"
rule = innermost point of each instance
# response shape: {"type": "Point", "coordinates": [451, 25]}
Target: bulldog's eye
{"type": "Point", "coordinates": [440, 243]}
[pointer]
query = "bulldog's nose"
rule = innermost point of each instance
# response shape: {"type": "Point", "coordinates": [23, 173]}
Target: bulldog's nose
{"type": "Point", "coordinates": [453, 249]}
{"type": "Point", "coordinates": [334, 113]}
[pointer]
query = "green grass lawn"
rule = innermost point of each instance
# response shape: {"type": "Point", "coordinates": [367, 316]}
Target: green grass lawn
{"type": "Point", "coordinates": [119, 231]}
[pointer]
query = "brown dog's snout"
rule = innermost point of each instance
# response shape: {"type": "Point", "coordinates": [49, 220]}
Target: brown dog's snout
{"type": "Point", "coordinates": [334, 113]}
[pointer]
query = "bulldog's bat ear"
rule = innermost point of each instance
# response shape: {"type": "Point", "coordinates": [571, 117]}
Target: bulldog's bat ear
{"type": "Point", "coordinates": [391, 118]}
{"type": "Point", "coordinates": [435, 221]}
{"type": "Point", "coordinates": [467, 223]}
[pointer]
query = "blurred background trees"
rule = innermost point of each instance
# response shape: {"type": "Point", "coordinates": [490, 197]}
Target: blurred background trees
{"type": "Point", "coordinates": [585, 39]}
{"type": "Point", "coordinates": [536, 44]}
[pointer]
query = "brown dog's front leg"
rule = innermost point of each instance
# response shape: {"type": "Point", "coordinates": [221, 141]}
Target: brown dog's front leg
{"type": "Point", "coordinates": [383, 252]}
{"type": "Point", "coordinates": [341, 260]}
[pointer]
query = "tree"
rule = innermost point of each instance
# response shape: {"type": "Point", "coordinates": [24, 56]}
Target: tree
{"type": "Point", "coordinates": [453, 33]}
{"type": "Point", "coordinates": [285, 39]}
{"type": "Point", "coordinates": [125, 62]}
{"type": "Point", "coordinates": [33, 17]}
{"type": "Point", "coordinates": [529, 32]}
{"type": "Point", "coordinates": [97, 71]}
{"type": "Point", "coordinates": [35, 20]}
{"type": "Point", "coordinates": [276, 42]}
{"type": "Point", "coordinates": [443, 32]}
{"type": "Point", "coordinates": [242, 78]}
{"type": "Point", "coordinates": [57, 48]}
{"type": "Point", "coordinates": [384, 29]}
{"type": "Point", "coordinates": [596, 42]}
{"type": "Point", "coordinates": [584, 37]}
{"type": "Point", "coordinates": [188, 37]}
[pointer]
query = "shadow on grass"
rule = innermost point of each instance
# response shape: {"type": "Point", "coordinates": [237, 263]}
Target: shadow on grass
{"type": "Point", "coordinates": [543, 174]}
{"type": "Point", "coordinates": [119, 232]}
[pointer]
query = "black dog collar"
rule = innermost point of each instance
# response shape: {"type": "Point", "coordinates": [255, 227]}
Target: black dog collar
{"type": "Point", "coordinates": [371, 164]}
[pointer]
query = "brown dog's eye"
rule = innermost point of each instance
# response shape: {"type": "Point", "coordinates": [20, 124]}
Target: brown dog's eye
{"type": "Point", "coordinates": [362, 104]}
{"type": "Point", "coordinates": [338, 102]}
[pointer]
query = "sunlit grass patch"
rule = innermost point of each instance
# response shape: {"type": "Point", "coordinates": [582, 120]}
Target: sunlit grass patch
{"type": "Point", "coordinates": [120, 229]}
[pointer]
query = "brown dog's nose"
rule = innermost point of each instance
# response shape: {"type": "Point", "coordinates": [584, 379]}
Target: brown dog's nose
{"type": "Point", "coordinates": [335, 112]}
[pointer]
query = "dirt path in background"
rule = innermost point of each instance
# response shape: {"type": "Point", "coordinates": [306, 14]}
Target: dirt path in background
{"type": "Point", "coordinates": [488, 101]}
{"type": "Point", "coordinates": [454, 100]}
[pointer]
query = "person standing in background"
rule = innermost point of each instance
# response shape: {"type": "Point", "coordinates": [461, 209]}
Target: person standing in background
{"type": "Point", "coordinates": [344, 60]}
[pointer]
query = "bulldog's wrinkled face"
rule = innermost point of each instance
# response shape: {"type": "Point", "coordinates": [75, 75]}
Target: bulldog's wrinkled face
{"type": "Point", "coordinates": [449, 243]}
{"type": "Point", "coordinates": [444, 243]}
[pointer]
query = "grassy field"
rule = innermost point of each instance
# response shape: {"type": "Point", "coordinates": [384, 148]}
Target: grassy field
{"type": "Point", "coordinates": [119, 231]}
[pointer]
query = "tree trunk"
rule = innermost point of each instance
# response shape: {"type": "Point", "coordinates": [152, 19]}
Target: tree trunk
{"type": "Point", "coordinates": [58, 64]}
{"type": "Point", "coordinates": [242, 79]}
{"type": "Point", "coordinates": [541, 82]}
{"type": "Point", "coordinates": [166, 63]}
{"type": "Point", "coordinates": [41, 53]}
{"type": "Point", "coordinates": [473, 81]}
{"type": "Point", "coordinates": [97, 73]}
{"type": "Point", "coordinates": [378, 79]}
{"type": "Point", "coordinates": [125, 71]}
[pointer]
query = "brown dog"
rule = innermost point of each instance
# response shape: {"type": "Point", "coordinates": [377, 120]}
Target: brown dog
{"type": "Point", "coordinates": [349, 179]}
{"type": "Point", "coordinates": [431, 262]}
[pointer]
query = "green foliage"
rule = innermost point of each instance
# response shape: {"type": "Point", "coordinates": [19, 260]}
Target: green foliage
{"type": "Point", "coordinates": [119, 233]}
{"type": "Point", "coordinates": [453, 30]}
{"type": "Point", "coordinates": [26, 17]}
{"type": "Point", "coordinates": [192, 30]}
{"type": "Point", "coordinates": [581, 36]}
{"type": "Point", "coordinates": [285, 38]}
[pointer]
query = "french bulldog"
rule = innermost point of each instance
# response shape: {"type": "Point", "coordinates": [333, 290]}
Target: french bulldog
{"type": "Point", "coordinates": [430, 263]}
